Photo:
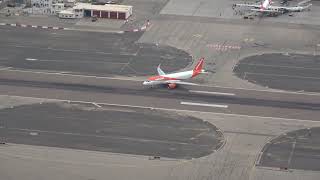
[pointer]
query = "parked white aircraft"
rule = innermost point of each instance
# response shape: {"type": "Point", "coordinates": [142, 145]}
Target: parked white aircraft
{"type": "Point", "coordinates": [175, 78]}
{"type": "Point", "coordinates": [266, 6]}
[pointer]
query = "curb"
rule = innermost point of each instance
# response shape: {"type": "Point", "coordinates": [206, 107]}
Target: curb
{"type": "Point", "coordinates": [33, 26]}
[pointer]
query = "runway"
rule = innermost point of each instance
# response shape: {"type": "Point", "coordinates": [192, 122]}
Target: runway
{"type": "Point", "coordinates": [91, 100]}
{"type": "Point", "coordinates": [133, 93]}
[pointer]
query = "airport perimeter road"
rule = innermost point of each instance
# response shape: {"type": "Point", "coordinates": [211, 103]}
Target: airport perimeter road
{"type": "Point", "coordinates": [132, 93]}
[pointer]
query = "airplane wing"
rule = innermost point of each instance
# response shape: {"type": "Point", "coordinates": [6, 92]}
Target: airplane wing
{"type": "Point", "coordinates": [303, 2]}
{"type": "Point", "coordinates": [179, 82]}
{"type": "Point", "coordinates": [248, 5]}
{"type": "Point", "coordinates": [292, 9]}
{"type": "Point", "coordinates": [264, 10]}
{"type": "Point", "coordinates": [160, 72]}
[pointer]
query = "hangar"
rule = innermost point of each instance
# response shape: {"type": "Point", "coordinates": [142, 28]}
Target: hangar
{"type": "Point", "coordinates": [110, 11]}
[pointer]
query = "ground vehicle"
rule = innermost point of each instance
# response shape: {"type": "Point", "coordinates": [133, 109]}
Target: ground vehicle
{"type": "Point", "coordinates": [94, 18]}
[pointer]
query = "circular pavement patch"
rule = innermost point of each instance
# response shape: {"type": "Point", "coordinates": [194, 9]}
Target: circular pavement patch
{"type": "Point", "coordinates": [110, 129]}
{"type": "Point", "coordinates": [298, 149]}
{"type": "Point", "coordinates": [294, 72]}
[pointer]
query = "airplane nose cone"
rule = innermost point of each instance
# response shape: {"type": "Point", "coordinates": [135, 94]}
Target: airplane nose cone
{"type": "Point", "coordinates": [144, 83]}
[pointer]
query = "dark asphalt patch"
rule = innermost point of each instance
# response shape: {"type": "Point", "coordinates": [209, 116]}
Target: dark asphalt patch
{"type": "Point", "coordinates": [295, 72]}
{"type": "Point", "coordinates": [102, 54]}
{"type": "Point", "coordinates": [295, 150]}
{"type": "Point", "coordinates": [110, 129]}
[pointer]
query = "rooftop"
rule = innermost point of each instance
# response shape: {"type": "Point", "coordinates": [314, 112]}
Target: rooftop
{"type": "Point", "coordinates": [67, 11]}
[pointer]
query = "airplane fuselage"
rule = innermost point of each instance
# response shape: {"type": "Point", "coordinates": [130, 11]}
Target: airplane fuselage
{"type": "Point", "coordinates": [175, 78]}
{"type": "Point", "coordinates": [155, 80]}
{"type": "Point", "coordinates": [180, 75]}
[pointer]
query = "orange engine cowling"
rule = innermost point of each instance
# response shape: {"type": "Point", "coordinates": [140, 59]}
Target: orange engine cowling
{"type": "Point", "coordinates": [172, 86]}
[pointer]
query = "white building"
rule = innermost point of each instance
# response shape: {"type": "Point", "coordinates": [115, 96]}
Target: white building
{"type": "Point", "coordinates": [109, 11]}
{"type": "Point", "coordinates": [57, 1]}
{"type": "Point", "coordinates": [57, 7]}
{"type": "Point", "coordinates": [67, 14]}
{"type": "Point", "coordinates": [41, 6]}
{"type": "Point", "coordinates": [69, 3]}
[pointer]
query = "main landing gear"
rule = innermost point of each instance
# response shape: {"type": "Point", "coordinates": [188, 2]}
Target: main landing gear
{"type": "Point", "coordinates": [172, 86]}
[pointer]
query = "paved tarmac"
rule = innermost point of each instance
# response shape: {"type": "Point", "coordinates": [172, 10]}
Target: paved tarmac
{"type": "Point", "coordinates": [110, 129]}
{"type": "Point", "coordinates": [220, 42]}
{"type": "Point", "coordinates": [293, 150]}
{"type": "Point", "coordinates": [222, 10]}
{"type": "Point", "coordinates": [132, 93]}
{"type": "Point", "coordinates": [295, 72]}
{"type": "Point", "coordinates": [86, 53]}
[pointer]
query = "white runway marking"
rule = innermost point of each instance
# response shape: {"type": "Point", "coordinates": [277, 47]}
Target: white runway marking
{"type": "Point", "coordinates": [213, 93]}
{"type": "Point", "coordinates": [283, 75]}
{"type": "Point", "coordinates": [31, 59]}
{"type": "Point", "coordinates": [96, 105]}
{"type": "Point", "coordinates": [66, 50]}
{"type": "Point", "coordinates": [63, 61]}
{"type": "Point", "coordinates": [72, 75]}
{"type": "Point", "coordinates": [167, 109]}
{"type": "Point", "coordinates": [202, 104]}
{"type": "Point", "coordinates": [5, 68]}
{"type": "Point", "coordinates": [140, 80]}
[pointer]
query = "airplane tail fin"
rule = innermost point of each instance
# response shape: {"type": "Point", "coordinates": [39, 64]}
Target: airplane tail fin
{"type": "Point", "coordinates": [160, 72]}
{"type": "Point", "coordinates": [198, 68]}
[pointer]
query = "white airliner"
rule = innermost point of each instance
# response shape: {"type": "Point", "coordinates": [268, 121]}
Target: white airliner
{"type": "Point", "coordinates": [175, 78]}
{"type": "Point", "coordinates": [266, 6]}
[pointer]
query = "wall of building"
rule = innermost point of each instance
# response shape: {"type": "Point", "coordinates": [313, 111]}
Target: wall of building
{"type": "Point", "coordinates": [104, 13]}
{"type": "Point", "coordinates": [56, 8]}
{"type": "Point", "coordinates": [66, 15]}
{"type": "Point", "coordinates": [41, 6]}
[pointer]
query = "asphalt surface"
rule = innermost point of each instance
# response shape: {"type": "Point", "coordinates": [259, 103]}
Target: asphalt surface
{"type": "Point", "coordinates": [110, 129]}
{"type": "Point", "coordinates": [293, 150]}
{"type": "Point", "coordinates": [103, 54]}
{"type": "Point", "coordinates": [132, 93]}
{"type": "Point", "coordinates": [245, 135]}
{"type": "Point", "coordinates": [295, 72]}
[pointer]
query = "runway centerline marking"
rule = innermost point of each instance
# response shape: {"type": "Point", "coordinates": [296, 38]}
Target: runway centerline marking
{"type": "Point", "coordinates": [204, 104]}
{"type": "Point", "coordinates": [140, 80]}
{"type": "Point", "coordinates": [63, 61]}
{"type": "Point", "coordinates": [31, 59]}
{"type": "Point", "coordinates": [166, 109]}
{"type": "Point", "coordinates": [73, 75]}
{"type": "Point", "coordinates": [212, 92]}
{"type": "Point", "coordinates": [65, 50]}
